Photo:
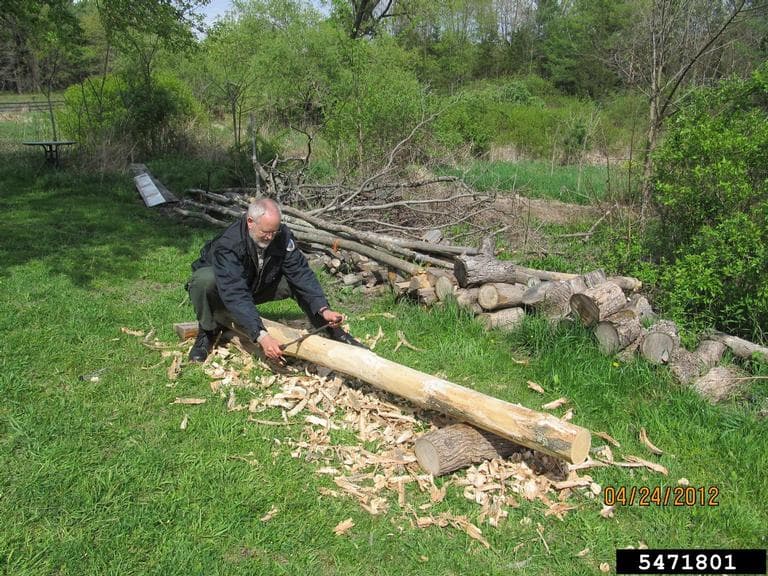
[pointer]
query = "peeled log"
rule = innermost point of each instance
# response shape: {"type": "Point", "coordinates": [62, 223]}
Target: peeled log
{"type": "Point", "coordinates": [542, 432]}
{"type": "Point", "coordinates": [457, 446]}
{"type": "Point", "coordinates": [617, 331]}
{"type": "Point", "coordinates": [660, 342]}
{"type": "Point", "coordinates": [498, 295]}
{"type": "Point", "coordinates": [627, 283]}
{"type": "Point", "coordinates": [598, 302]}
{"type": "Point", "coordinates": [720, 383]}
{"type": "Point", "coordinates": [686, 366]}
{"type": "Point", "coordinates": [507, 319]}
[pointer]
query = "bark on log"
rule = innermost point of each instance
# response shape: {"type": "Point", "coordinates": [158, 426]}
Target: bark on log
{"type": "Point", "coordinates": [598, 302]}
{"type": "Point", "coordinates": [626, 283]}
{"type": "Point", "coordinates": [660, 342]}
{"type": "Point", "coordinates": [628, 353]}
{"type": "Point", "coordinates": [687, 366]}
{"type": "Point", "coordinates": [485, 269]}
{"type": "Point", "coordinates": [426, 296]}
{"type": "Point", "coordinates": [388, 259]}
{"type": "Point", "coordinates": [444, 288]}
{"type": "Point", "coordinates": [536, 293]}
{"type": "Point", "coordinates": [720, 383]}
{"type": "Point", "coordinates": [506, 320]}
{"type": "Point", "coordinates": [742, 348]}
{"type": "Point", "coordinates": [536, 430]}
{"type": "Point", "coordinates": [617, 331]}
{"type": "Point", "coordinates": [454, 447]}
{"type": "Point", "coordinates": [556, 303]}
{"type": "Point", "coordinates": [640, 306]}
{"type": "Point", "coordinates": [497, 295]}
{"type": "Point", "coordinates": [467, 298]}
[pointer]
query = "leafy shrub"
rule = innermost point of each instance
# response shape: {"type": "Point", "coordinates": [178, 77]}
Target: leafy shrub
{"type": "Point", "coordinates": [712, 196]}
{"type": "Point", "coordinates": [147, 119]}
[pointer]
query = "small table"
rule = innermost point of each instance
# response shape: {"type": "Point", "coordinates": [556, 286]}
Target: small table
{"type": "Point", "coordinates": [51, 148]}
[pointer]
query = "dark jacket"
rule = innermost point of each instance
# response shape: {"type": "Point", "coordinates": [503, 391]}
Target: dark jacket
{"type": "Point", "coordinates": [240, 276]}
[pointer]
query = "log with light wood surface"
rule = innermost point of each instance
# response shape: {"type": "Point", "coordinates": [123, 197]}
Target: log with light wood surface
{"type": "Point", "coordinates": [661, 340]}
{"type": "Point", "coordinates": [617, 331]}
{"type": "Point", "coordinates": [506, 319]}
{"type": "Point", "coordinates": [598, 302]}
{"type": "Point", "coordinates": [536, 430]}
{"type": "Point", "coordinates": [740, 347]}
{"type": "Point", "coordinates": [498, 295]}
{"type": "Point", "coordinates": [457, 446]}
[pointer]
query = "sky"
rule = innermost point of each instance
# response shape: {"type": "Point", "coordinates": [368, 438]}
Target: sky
{"type": "Point", "coordinates": [216, 8]}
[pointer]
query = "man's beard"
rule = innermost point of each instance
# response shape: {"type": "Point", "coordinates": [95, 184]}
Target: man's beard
{"type": "Point", "coordinates": [259, 243]}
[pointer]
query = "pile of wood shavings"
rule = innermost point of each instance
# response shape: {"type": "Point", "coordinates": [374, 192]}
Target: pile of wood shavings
{"type": "Point", "coordinates": [323, 402]}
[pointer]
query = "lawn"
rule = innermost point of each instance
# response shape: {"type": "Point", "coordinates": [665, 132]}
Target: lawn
{"type": "Point", "coordinates": [97, 476]}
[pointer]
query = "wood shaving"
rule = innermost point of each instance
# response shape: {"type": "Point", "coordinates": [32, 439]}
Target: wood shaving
{"type": "Point", "coordinates": [401, 341]}
{"type": "Point", "coordinates": [648, 444]}
{"type": "Point", "coordinates": [608, 438]}
{"type": "Point", "coordinates": [269, 515]}
{"type": "Point", "coordinates": [379, 468]}
{"type": "Point", "coordinates": [343, 526]}
{"type": "Point", "coordinates": [554, 404]}
{"type": "Point", "coordinates": [189, 401]}
{"type": "Point", "coordinates": [535, 387]}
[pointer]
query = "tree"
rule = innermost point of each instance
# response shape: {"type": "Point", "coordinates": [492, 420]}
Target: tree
{"type": "Point", "coordinates": [669, 44]}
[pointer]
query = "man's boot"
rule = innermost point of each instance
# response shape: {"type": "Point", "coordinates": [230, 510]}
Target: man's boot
{"type": "Point", "coordinates": [340, 335]}
{"type": "Point", "coordinates": [203, 345]}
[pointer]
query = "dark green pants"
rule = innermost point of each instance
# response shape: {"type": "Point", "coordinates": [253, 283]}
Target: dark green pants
{"type": "Point", "coordinates": [210, 310]}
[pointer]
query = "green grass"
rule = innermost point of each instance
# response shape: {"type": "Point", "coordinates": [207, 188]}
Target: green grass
{"type": "Point", "coordinates": [97, 478]}
{"type": "Point", "coordinates": [536, 179]}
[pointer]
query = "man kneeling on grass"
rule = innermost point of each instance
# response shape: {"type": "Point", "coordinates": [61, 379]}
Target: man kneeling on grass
{"type": "Point", "coordinates": [255, 260]}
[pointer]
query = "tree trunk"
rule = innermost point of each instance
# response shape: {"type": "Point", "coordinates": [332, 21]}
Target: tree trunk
{"type": "Point", "coordinates": [497, 295]}
{"type": "Point", "coordinates": [597, 303]}
{"type": "Point", "coordinates": [484, 269]}
{"type": "Point", "coordinates": [719, 383]}
{"type": "Point", "coordinates": [687, 366]}
{"type": "Point", "coordinates": [507, 319]}
{"type": "Point", "coordinates": [617, 331]}
{"type": "Point", "coordinates": [660, 342]}
{"type": "Point", "coordinates": [742, 348]}
{"type": "Point", "coordinates": [556, 303]}
{"type": "Point", "coordinates": [457, 446]}
{"type": "Point", "coordinates": [536, 430]}
{"type": "Point", "coordinates": [467, 298]}
{"type": "Point", "coordinates": [444, 288]}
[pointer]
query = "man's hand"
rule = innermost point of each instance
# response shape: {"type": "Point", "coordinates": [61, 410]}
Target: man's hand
{"type": "Point", "coordinates": [271, 348]}
{"type": "Point", "coordinates": [333, 318]}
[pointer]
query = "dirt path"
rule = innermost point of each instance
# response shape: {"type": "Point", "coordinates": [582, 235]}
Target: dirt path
{"type": "Point", "coordinates": [546, 210]}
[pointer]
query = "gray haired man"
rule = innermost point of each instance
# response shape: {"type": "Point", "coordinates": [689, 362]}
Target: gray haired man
{"type": "Point", "coordinates": [255, 260]}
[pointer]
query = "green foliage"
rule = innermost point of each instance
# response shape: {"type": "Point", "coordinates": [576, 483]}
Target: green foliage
{"type": "Point", "coordinates": [712, 195]}
{"type": "Point", "coordinates": [149, 119]}
{"type": "Point", "coordinates": [375, 102]}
